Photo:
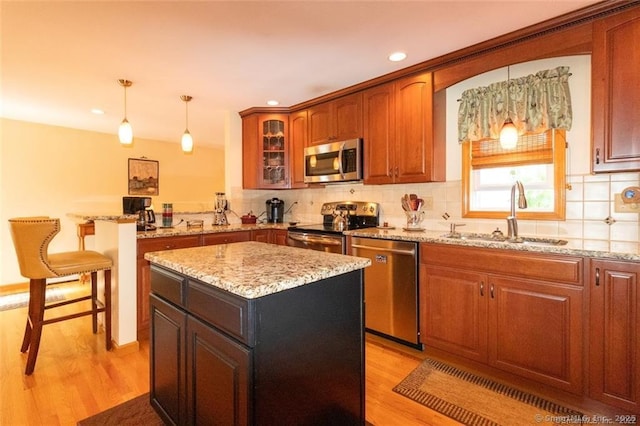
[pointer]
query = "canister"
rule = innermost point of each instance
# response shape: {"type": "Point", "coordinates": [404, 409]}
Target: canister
{"type": "Point", "coordinates": [167, 215]}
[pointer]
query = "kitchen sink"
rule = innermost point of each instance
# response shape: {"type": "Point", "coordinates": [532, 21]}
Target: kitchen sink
{"type": "Point", "coordinates": [530, 241]}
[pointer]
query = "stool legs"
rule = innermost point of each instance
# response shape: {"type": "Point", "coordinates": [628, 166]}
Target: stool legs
{"type": "Point", "coordinates": [94, 301]}
{"type": "Point", "coordinates": [35, 317]}
{"type": "Point", "coordinates": [107, 307]}
{"type": "Point", "coordinates": [33, 330]}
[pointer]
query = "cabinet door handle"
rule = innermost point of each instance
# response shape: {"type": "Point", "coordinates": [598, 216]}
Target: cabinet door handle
{"type": "Point", "coordinates": [391, 172]}
{"type": "Point", "coordinates": [597, 155]}
{"type": "Point", "coordinates": [397, 173]}
{"type": "Point", "coordinates": [597, 277]}
{"type": "Point", "coordinates": [482, 288]}
{"type": "Point", "coordinates": [491, 291]}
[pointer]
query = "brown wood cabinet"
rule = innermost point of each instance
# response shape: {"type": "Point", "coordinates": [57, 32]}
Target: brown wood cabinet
{"type": "Point", "coordinates": [262, 235]}
{"type": "Point", "coordinates": [143, 284]}
{"type": "Point", "coordinates": [614, 349]}
{"type": "Point", "coordinates": [225, 237]}
{"type": "Point", "coordinates": [615, 94]}
{"type": "Point", "coordinates": [279, 237]}
{"type": "Point", "coordinates": [519, 312]}
{"type": "Point", "coordinates": [335, 120]}
{"type": "Point", "coordinates": [379, 132]}
{"type": "Point", "coordinates": [398, 133]}
{"type": "Point", "coordinates": [298, 142]}
{"type": "Point", "coordinates": [265, 151]}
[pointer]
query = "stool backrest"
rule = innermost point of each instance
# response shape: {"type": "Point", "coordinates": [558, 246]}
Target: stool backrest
{"type": "Point", "coordinates": [31, 237]}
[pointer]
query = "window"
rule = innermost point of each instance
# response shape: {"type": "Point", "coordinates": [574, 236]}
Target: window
{"type": "Point", "coordinates": [489, 172]}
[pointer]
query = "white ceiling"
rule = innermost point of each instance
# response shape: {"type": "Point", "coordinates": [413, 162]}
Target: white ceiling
{"type": "Point", "coordinates": [60, 59]}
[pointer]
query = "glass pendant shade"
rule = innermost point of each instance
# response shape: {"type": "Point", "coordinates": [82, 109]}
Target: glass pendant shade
{"type": "Point", "coordinates": [187, 141]}
{"type": "Point", "coordinates": [508, 135]}
{"type": "Point", "coordinates": [125, 132]}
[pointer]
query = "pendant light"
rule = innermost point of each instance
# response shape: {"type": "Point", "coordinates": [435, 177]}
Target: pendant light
{"type": "Point", "coordinates": [187, 140]}
{"type": "Point", "coordinates": [125, 132]}
{"type": "Point", "coordinates": [509, 132]}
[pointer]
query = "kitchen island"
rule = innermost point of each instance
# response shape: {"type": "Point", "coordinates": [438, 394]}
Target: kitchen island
{"type": "Point", "coordinates": [255, 333]}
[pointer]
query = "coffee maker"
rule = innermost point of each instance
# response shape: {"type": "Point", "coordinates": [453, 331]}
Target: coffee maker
{"type": "Point", "coordinates": [140, 206]}
{"type": "Point", "coordinates": [220, 212]}
{"type": "Point", "coordinates": [275, 210]}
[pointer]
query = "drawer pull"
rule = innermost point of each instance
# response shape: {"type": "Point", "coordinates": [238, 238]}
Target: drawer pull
{"type": "Point", "coordinates": [597, 277]}
{"type": "Point", "coordinates": [482, 288]}
{"type": "Point", "coordinates": [491, 291]}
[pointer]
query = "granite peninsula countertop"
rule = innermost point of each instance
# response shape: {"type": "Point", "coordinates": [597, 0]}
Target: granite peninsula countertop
{"type": "Point", "coordinates": [113, 217]}
{"type": "Point", "coordinates": [182, 229]}
{"type": "Point", "coordinates": [253, 269]}
{"type": "Point", "coordinates": [428, 236]}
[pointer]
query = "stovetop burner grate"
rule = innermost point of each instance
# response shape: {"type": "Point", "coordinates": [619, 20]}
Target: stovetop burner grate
{"type": "Point", "coordinates": [358, 215]}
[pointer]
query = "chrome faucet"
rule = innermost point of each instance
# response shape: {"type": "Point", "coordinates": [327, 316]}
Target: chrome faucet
{"type": "Point", "coordinates": [512, 223]}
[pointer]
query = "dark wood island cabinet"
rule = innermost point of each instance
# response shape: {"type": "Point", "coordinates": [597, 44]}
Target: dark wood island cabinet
{"type": "Point", "coordinates": [250, 333]}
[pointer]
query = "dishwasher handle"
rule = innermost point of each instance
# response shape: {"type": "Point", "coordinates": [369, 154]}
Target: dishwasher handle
{"type": "Point", "coordinates": [312, 240]}
{"type": "Point", "coordinates": [411, 252]}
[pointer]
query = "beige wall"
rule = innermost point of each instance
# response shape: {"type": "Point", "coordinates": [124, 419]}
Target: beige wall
{"type": "Point", "coordinates": [53, 171]}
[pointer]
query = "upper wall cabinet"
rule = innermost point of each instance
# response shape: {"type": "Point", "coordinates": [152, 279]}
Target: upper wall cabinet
{"type": "Point", "coordinates": [298, 142]}
{"type": "Point", "coordinates": [335, 120]}
{"type": "Point", "coordinates": [399, 143]}
{"type": "Point", "coordinates": [265, 151]}
{"type": "Point", "coordinates": [616, 93]}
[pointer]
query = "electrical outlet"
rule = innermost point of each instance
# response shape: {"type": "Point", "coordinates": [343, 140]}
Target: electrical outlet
{"type": "Point", "coordinates": [428, 203]}
{"type": "Point", "coordinates": [622, 207]}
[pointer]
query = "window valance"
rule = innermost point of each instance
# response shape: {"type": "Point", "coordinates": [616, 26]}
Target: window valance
{"type": "Point", "coordinates": [536, 103]}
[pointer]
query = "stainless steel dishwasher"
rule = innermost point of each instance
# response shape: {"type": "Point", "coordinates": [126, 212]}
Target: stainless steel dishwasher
{"type": "Point", "coordinates": [390, 288]}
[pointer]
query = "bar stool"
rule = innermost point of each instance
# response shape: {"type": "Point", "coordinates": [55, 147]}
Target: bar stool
{"type": "Point", "coordinates": [31, 237]}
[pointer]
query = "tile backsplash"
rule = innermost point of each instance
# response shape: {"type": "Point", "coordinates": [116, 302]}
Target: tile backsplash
{"type": "Point", "coordinates": [591, 221]}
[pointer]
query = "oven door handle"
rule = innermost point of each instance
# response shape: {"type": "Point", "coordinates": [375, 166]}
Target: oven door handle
{"type": "Point", "coordinates": [311, 240]}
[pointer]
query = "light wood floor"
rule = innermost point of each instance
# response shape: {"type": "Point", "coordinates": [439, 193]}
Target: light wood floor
{"type": "Point", "coordinates": [75, 377]}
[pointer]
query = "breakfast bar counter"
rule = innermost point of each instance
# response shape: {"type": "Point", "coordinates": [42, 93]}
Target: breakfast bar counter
{"type": "Point", "coordinates": [255, 333]}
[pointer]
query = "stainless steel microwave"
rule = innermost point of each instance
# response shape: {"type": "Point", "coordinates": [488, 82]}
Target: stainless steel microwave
{"type": "Point", "coordinates": [333, 162]}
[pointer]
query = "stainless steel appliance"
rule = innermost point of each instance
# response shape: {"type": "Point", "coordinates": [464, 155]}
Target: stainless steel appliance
{"type": "Point", "coordinates": [390, 288]}
{"type": "Point", "coordinates": [333, 162]}
{"type": "Point", "coordinates": [328, 235]}
{"type": "Point", "coordinates": [275, 210]}
{"type": "Point", "coordinates": [220, 212]}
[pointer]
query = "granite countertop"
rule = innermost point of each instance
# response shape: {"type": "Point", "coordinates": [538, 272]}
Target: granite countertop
{"type": "Point", "coordinates": [427, 236]}
{"type": "Point", "coordinates": [207, 229]}
{"type": "Point", "coordinates": [253, 269]}
{"type": "Point", "coordinates": [90, 217]}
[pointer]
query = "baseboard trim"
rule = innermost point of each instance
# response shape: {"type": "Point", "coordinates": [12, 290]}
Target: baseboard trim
{"type": "Point", "coordinates": [125, 349]}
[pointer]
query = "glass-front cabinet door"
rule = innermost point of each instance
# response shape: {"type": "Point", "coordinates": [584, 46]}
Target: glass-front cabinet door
{"type": "Point", "coordinates": [265, 150]}
{"type": "Point", "coordinates": [274, 152]}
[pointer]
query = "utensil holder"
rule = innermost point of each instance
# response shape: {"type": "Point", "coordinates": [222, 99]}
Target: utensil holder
{"type": "Point", "coordinates": [414, 218]}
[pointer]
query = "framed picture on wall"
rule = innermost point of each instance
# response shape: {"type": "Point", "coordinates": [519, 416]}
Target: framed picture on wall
{"type": "Point", "coordinates": [143, 177]}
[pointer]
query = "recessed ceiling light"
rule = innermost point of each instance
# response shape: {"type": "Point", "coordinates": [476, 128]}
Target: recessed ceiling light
{"type": "Point", "coordinates": [273, 102]}
{"type": "Point", "coordinates": [397, 56]}
{"type": "Point", "coordinates": [97, 111]}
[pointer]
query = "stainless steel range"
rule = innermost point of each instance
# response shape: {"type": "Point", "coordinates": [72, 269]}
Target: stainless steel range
{"type": "Point", "coordinates": [336, 218]}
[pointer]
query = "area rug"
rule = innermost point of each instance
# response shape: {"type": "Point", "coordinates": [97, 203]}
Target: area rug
{"type": "Point", "coordinates": [475, 400]}
{"type": "Point", "coordinates": [135, 412]}
{"type": "Point", "coordinates": [20, 300]}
